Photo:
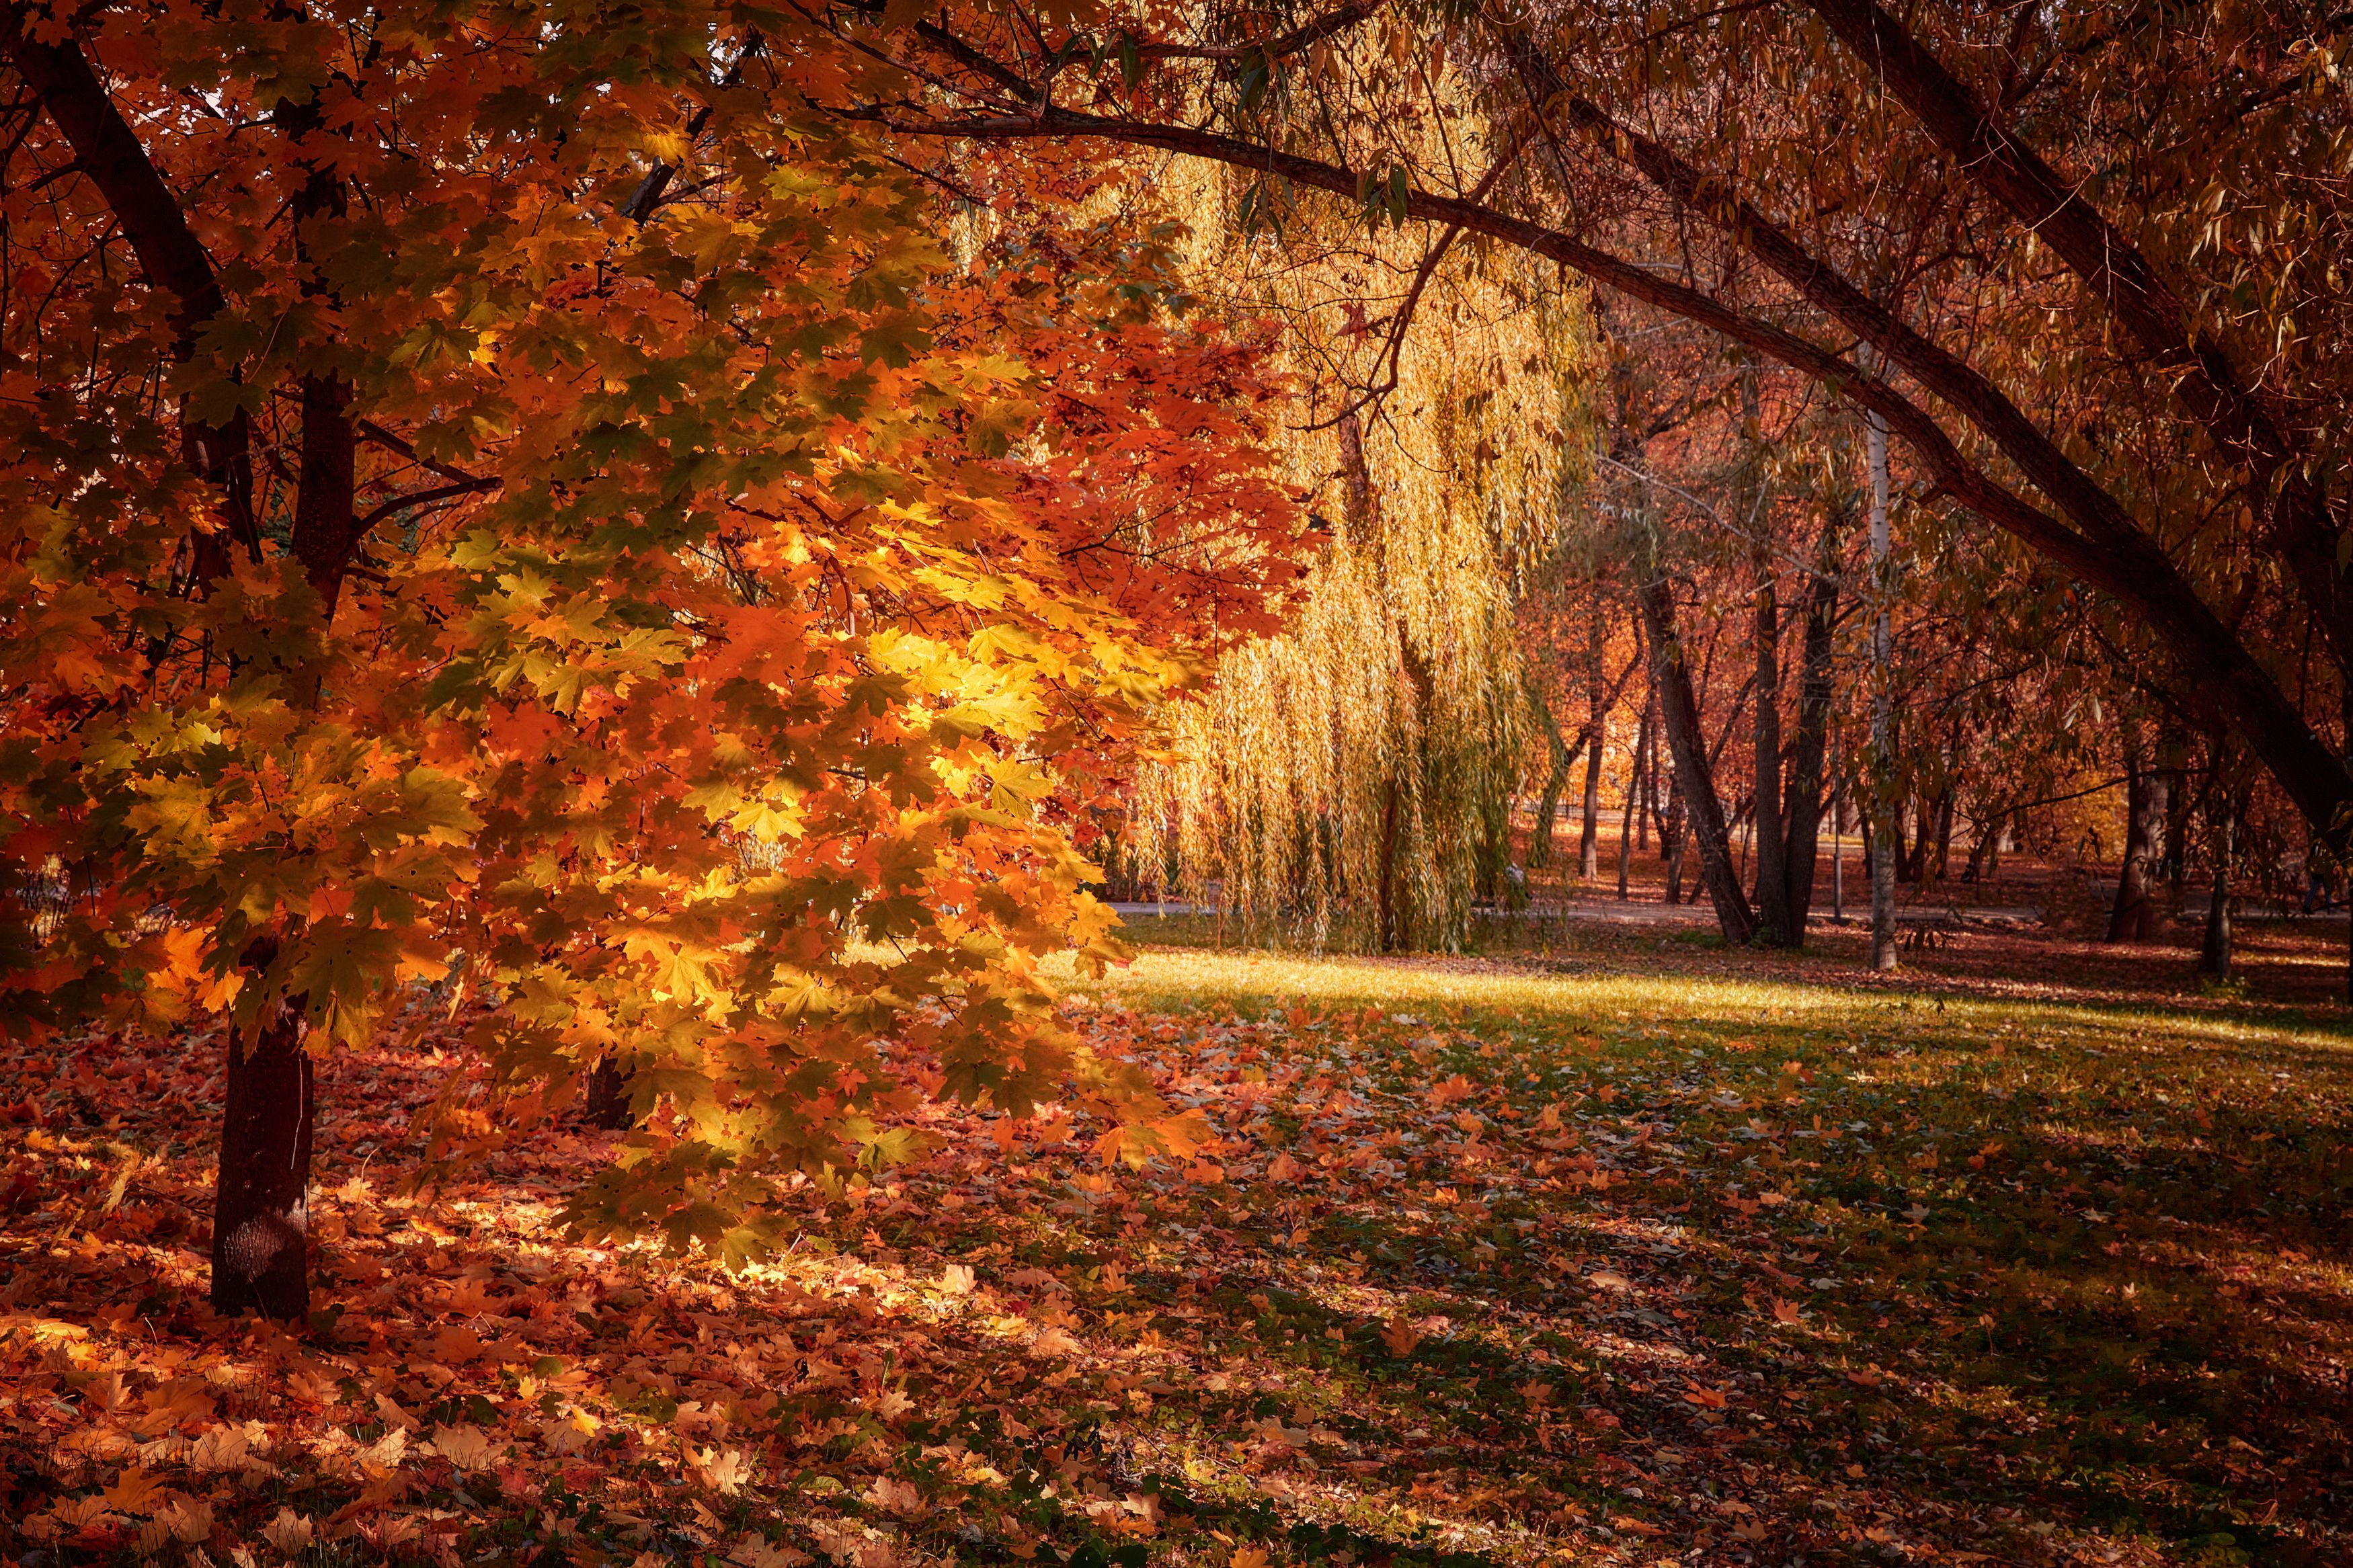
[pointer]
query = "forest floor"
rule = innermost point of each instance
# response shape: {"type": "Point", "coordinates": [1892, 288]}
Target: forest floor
{"type": "Point", "coordinates": [1628, 1250]}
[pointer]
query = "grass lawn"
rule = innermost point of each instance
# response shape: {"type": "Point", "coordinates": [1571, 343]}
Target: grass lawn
{"type": "Point", "coordinates": [1630, 1251]}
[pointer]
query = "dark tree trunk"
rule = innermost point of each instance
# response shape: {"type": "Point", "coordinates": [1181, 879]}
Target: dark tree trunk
{"type": "Point", "coordinates": [1801, 804]}
{"type": "Point", "coordinates": [2215, 954]}
{"type": "Point", "coordinates": [1944, 851]}
{"type": "Point", "coordinates": [2134, 918]}
{"type": "Point", "coordinates": [1837, 853]}
{"type": "Point", "coordinates": [1647, 801]}
{"type": "Point", "coordinates": [1540, 833]}
{"type": "Point", "coordinates": [1626, 818]}
{"type": "Point", "coordinates": [1671, 843]}
{"type": "Point", "coordinates": [1679, 716]}
{"type": "Point", "coordinates": [1981, 853]}
{"type": "Point", "coordinates": [1589, 842]}
{"type": "Point", "coordinates": [1772, 849]}
{"type": "Point", "coordinates": [1913, 866]}
{"type": "Point", "coordinates": [606, 1100]}
{"type": "Point", "coordinates": [260, 1195]}
{"type": "Point", "coordinates": [2176, 833]}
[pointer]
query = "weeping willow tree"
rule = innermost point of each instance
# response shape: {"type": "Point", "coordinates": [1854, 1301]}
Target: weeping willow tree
{"type": "Point", "coordinates": [1350, 781]}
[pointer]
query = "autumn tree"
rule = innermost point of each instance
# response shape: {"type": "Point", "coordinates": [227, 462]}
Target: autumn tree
{"type": "Point", "coordinates": [512, 497]}
{"type": "Point", "coordinates": [1350, 781]}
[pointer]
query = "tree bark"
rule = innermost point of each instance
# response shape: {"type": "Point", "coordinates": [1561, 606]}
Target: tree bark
{"type": "Point", "coordinates": [1772, 885]}
{"type": "Point", "coordinates": [1940, 854]}
{"type": "Point", "coordinates": [1540, 832]}
{"type": "Point", "coordinates": [1772, 848]}
{"type": "Point", "coordinates": [1886, 831]}
{"type": "Point", "coordinates": [1801, 807]}
{"type": "Point", "coordinates": [1837, 853]}
{"type": "Point", "coordinates": [1589, 846]}
{"type": "Point", "coordinates": [1694, 783]}
{"type": "Point", "coordinates": [606, 1098]}
{"type": "Point", "coordinates": [1989, 833]}
{"type": "Point", "coordinates": [1672, 841]}
{"type": "Point", "coordinates": [1642, 743]}
{"type": "Point", "coordinates": [2214, 953]}
{"type": "Point", "coordinates": [2134, 917]}
{"type": "Point", "coordinates": [260, 1192]}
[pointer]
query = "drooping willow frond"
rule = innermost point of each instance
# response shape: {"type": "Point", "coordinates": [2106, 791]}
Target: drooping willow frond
{"type": "Point", "coordinates": [1350, 781]}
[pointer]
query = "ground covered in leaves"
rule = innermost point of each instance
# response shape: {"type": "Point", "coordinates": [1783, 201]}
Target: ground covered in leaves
{"type": "Point", "coordinates": [1643, 1253]}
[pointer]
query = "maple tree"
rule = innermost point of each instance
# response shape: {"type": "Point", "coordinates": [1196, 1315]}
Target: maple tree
{"type": "Point", "coordinates": [513, 501]}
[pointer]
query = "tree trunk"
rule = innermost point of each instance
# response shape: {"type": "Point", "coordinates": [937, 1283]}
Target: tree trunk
{"type": "Point", "coordinates": [1540, 833]}
{"type": "Point", "coordinates": [1882, 815]}
{"type": "Point", "coordinates": [260, 1194]}
{"type": "Point", "coordinates": [1801, 804]}
{"type": "Point", "coordinates": [1589, 842]}
{"type": "Point", "coordinates": [1671, 839]}
{"type": "Point", "coordinates": [1943, 860]}
{"type": "Point", "coordinates": [1679, 716]}
{"type": "Point", "coordinates": [605, 1100]}
{"type": "Point", "coordinates": [1981, 853]}
{"type": "Point", "coordinates": [2134, 918]}
{"type": "Point", "coordinates": [2214, 955]}
{"type": "Point", "coordinates": [1772, 849]}
{"type": "Point", "coordinates": [1838, 853]}
{"type": "Point", "coordinates": [1540, 830]}
{"type": "Point", "coordinates": [1643, 743]}
{"type": "Point", "coordinates": [2177, 831]}
{"type": "Point", "coordinates": [1919, 812]}
{"type": "Point", "coordinates": [1645, 808]}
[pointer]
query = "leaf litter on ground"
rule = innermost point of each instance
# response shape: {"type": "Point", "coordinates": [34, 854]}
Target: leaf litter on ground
{"type": "Point", "coordinates": [1470, 1264]}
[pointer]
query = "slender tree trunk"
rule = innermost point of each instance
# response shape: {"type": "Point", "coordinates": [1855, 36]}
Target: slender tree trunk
{"type": "Point", "coordinates": [1647, 800]}
{"type": "Point", "coordinates": [1772, 849]}
{"type": "Point", "coordinates": [2177, 823]}
{"type": "Point", "coordinates": [1943, 854]}
{"type": "Point", "coordinates": [2214, 955]}
{"type": "Point", "coordinates": [1883, 706]}
{"type": "Point", "coordinates": [1643, 743]}
{"type": "Point", "coordinates": [1540, 830]}
{"type": "Point", "coordinates": [1540, 835]}
{"type": "Point", "coordinates": [1671, 840]}
{"type": "Point", "coordinates": [1679, 716]}
{"type": "Point", "coordinates": [1912, 838]}
{"type": "Point", "coordinates": [1838, 855]}
{"type": "Point", "coordinates": [2134, 917]}
{"type": "Point", "coordinates": [1801, 804]}
{"type": "Point", "coordinates": [1981, 853]}
{"type": "Point", "coordinates": [261, 1192]}
{"type": "Point", "coordinates": [1589, 842]}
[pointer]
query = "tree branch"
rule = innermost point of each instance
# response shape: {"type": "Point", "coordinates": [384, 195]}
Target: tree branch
{"type": "Point", "coordinates": [108, 153]}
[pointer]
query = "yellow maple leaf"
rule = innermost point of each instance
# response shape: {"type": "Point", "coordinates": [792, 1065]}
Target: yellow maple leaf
{"type": "Point", "coordinates": [465, 1446]}
{"type": "Point", "coordinates": [133, 1492]}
